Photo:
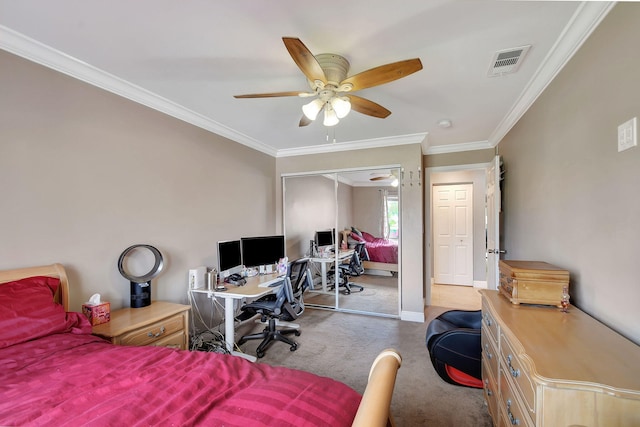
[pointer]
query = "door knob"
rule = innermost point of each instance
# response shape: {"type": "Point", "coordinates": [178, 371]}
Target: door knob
{"type": "Point", "coordinates": [496, 251]}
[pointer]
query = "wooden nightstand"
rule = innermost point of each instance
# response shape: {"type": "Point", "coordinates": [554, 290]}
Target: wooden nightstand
{"type": "Point", "coordinates": [161, 324]}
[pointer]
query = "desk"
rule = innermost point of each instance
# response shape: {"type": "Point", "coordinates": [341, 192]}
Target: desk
{"type": "Point", "coordinates": [256, 287]}
{"type": "Point", "coordinates": [324, 261]}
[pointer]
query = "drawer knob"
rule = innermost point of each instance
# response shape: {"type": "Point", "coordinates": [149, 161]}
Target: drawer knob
{"type": "Point", "coordinates": [513, 420]}
{"type": "Point", "coordinates": [152, 335]}
{"type": "Point", "coordinates": [487, 320]}
{"type": "Point", "coordinates": [486, 350]}
{"type": "Point", "coordinates": [515, 373]}
{"type": "Point", "coordinates": [486, 387]}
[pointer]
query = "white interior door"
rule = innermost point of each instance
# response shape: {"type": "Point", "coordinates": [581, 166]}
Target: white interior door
{"type": "Point", "coordinates": [453, 234]}
{"type": "Point", "coordinates": [493, 223]}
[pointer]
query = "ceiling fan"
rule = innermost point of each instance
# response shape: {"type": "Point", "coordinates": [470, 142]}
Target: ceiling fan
{"type": "Point", "coordinates": [384, 176]}
{"type": "Point", "coordinates": [332, 89]}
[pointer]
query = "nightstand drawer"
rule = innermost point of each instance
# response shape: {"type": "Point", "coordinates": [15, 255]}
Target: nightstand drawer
{"type": "Point", "coordinates": [152, 333]}
{"type": "Point", "coordinates": [177, 340]}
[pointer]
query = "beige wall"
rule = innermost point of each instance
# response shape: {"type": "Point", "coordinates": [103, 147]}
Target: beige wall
{"type": "Point", "coordinates": [367, 208]}
{"type": "Point", "coordinates": [84, 174]}
{"type": "Point", "coordinates": [570, 198]}
{"type": "Point", "coordinates": [311, 206]}
{"type": "Point", "coordinates": [410, 158]}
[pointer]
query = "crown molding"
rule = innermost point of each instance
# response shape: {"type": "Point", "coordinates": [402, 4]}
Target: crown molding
{"type": "Point", "coordinates": [415, 138]}
{"type": "Point", "coordinates": [37, 52]}
{"type": "Point", "coordinates": [586, 18]}
{"type": "Point", "coordinates": [456, 148]}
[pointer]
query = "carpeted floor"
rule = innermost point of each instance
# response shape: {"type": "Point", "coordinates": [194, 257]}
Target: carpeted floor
{"type": "Point", "coordinates": [343, 346]}
{"type": "Point", "coordinates": [379, 295]}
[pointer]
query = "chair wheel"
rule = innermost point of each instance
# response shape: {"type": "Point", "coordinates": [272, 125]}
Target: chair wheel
{"type": "Point", "coordinates": [294, 347]}
{"type": "Point", "coordinates": [296, 333]}
{"type": "Point", "coordinates": [260, 354]}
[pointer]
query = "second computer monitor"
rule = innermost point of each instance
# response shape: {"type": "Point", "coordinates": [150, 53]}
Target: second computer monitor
{"type": "Point", "coordinates": [264, 250]}
{"type": "Point", "coordinates": [324, 238]}
{"type": "Point", "coordinates": [229, 257]}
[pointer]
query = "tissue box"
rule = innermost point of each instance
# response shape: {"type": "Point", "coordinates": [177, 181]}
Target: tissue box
{"type": "Point", "coordinates": [97, 314]}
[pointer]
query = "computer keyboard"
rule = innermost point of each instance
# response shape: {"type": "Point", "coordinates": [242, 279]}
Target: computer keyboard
{"type": "Point", "coordinates": [270, 284]}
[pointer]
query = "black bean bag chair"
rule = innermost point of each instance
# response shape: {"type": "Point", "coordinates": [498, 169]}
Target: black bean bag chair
{"type": "Point", "coordinates": [453, 341]}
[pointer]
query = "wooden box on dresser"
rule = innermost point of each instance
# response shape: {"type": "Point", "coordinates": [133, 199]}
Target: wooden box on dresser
{"type": "Point", "coordinates": [542, 367]}
{"type": "Point", "coordinates": [160, 324]}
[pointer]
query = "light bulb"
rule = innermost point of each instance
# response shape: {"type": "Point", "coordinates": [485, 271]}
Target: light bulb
{"type": "Point", "coordinates": [330, 117]}
{"type": "Point", "coordinates": [312, 109]}
{"type": "Point", "coordinates": [394, 183]}
{"type": "Point", "coordinates": [341, 105]}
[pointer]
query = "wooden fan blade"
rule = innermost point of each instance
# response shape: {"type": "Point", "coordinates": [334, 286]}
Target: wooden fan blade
{"type": "Point", "coordinates": [304, 121]}
{"type": "Point", "coordinates": [383, 74]}
{"type": "Point", "coordinates": [305, 60]}
{"type": "Point", "coordinates": [370, 108]}
{"type": "Point", "coordinates": [269, 95]}
{"type": "Point", "coordinates": [379, 178]}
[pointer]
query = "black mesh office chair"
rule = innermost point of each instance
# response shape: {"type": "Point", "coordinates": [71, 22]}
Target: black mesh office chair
{"type": "Point", "coordinates": [270, 311]}
{"type": "Point", "coordinates": [353, 268]}
{"type": "Point", "coordinates": [301, 279]}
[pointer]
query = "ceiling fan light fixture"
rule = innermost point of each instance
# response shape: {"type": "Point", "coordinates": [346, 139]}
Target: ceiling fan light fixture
{"type": "Point", "coordinates": [312, 109]}
{"type": "Point", "coordinates": [330, 117]}
{"type": "Point", "coordinates": [341, 105]}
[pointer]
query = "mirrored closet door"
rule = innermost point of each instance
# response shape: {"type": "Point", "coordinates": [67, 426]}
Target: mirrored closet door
{"type": "Point", "coordinates": [360, 211]}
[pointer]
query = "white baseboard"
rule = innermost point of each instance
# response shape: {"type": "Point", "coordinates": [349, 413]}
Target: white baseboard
{"type": "Point", "coordinates": [412, 316]}
{"type": "Point", "coordinates": [481, 284]}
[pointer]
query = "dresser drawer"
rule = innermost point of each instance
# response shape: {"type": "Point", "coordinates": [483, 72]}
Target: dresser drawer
{"type": "Point", "coordinates": [515, 370]}
{"type": "Point", "coordinates": [154, 332]}
{"type": "Point", "coordinates": [512, 412]}
{"type": "Point", "coordinates": [489, 322]}
{"type": "Point", "coordinates": [490, 391]}
{"type": "Point", "coordinates": [490, 352]}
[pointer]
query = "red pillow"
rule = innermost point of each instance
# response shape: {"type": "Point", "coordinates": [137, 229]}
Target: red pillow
{"type": "Point", "coordinates": [356, 237]}
{"type": "Point", "coordinates": [368, 237]}
{"type": "Point", "coordinates": [27, 311]}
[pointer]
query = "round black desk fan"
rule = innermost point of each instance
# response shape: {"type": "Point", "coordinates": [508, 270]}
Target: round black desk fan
{"type": "Point", "coordinates": [141, 285]}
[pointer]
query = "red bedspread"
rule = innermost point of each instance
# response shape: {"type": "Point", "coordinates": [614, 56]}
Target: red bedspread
{"type": "Point", "coordinates": [382, 250]}
{"type": "Point", "coordinates": [71, 380]}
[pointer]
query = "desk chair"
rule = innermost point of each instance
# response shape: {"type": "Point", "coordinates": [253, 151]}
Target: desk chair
{"type": "Point", "coordinates": [270, 311]}
{"type": "Point", "coordinates": [353, 268]}
{"type": "Point", "coordinates": [299, 275]}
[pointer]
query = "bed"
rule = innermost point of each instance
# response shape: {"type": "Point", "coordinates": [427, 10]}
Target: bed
{"type": "Point", "coordinates": [54, 372]}
{"type": "Point", "coordinates": [382, 253]}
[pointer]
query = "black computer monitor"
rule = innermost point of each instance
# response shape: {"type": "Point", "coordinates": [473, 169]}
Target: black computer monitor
{"type": "Point", "coordinates": [264, 250]}
{"type": "Point", "coordinates": [324, 238]}
{"type": "Point", "coordinates": [229, 258]}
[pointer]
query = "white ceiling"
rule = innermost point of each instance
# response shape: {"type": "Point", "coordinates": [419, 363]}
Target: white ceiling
{"type": "Point", "coordinates": [188, 59]}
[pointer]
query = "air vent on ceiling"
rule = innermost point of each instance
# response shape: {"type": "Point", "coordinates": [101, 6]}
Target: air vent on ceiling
{"type": "Point", "coordinates": [507, 61]}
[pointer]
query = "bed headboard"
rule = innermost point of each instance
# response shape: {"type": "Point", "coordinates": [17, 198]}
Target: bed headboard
{"type": "Point", "coordinates": [53, 270]}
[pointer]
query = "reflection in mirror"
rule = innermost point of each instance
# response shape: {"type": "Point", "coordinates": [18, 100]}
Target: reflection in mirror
{"type": "Point", "coordinates": [373, 231]}
{"type": "Point", "coordinates": [364, 209]}
{"type": "Point", "coordinates": [309, 208]}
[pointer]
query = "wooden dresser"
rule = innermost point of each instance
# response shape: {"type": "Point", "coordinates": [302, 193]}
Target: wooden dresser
{"type": "Point", "coordinates": [161, 324]}
{"type": "Point", "coordinates": [542, 367]}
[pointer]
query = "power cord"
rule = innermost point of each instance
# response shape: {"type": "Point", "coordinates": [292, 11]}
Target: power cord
{"type": "Point", "coordinates": [209, 339]}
